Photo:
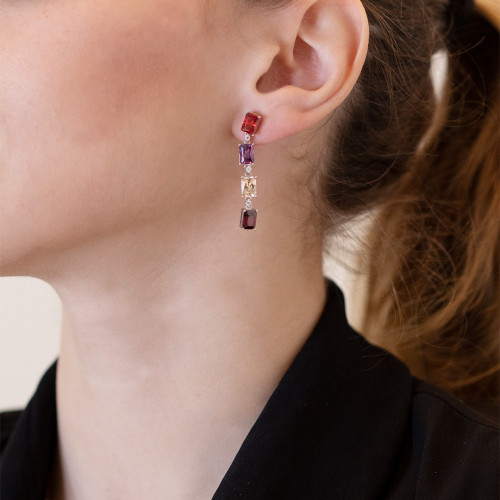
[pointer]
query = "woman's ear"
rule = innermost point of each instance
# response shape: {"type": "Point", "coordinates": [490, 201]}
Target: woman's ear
{"type": "Point", "coordinates": [314, 54]}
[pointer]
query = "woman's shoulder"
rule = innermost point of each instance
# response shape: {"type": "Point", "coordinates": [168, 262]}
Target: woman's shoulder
{"type": "Point", "coordinates": [431, 403]}
{"type": "Point", "coordinates": [450, 450]}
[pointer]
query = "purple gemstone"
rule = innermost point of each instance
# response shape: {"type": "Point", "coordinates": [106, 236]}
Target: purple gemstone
{"type": "Point", "coordinates": [246, 154]}
{"type": "Point", "coordinates": [248, 219]}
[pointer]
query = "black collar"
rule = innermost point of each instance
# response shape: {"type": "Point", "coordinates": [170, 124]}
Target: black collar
{"type": "Point", "coordinates": [28, 456]}
{"type": "Point", "coordinates": [334, 424]}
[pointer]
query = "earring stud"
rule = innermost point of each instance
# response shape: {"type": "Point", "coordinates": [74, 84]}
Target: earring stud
{"type": "Point", "coordinates": [248, 219]}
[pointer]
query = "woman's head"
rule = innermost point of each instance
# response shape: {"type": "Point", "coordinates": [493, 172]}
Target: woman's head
{"type": "Point", "coordinates": [117, 114]}
{"type": "Point", "coordinates": [123, 118]}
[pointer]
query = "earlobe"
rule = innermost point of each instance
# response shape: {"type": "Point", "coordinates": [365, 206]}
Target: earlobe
{"type": "Point", "coordinates": [310, 76]}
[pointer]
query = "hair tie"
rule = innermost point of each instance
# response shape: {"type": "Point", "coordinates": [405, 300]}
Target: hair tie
{"type": "Point", "coordinates": [458, 14]}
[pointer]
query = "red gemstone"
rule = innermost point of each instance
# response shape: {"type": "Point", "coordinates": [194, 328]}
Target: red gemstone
{"type": "Point", "coordinates": [251, 123]}
{"type": "Point", "coordinates": [248, 219]}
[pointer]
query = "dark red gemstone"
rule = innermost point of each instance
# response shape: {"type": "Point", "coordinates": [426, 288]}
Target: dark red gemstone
{"type": "Point", "coordinates": [248, 219]}
{"type": "Point", "coordinates": [251, 123]}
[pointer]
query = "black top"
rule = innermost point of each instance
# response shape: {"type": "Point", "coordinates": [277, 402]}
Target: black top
{"type": "Point", "coordinates": [347, 421]}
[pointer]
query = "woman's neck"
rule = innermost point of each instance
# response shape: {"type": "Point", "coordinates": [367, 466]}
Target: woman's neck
{"type": "Point", "coordinates": [163, 373]}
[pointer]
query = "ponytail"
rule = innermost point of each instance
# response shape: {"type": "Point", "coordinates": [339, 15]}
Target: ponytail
{"type": "Point", "coordinates": [434, 275]}
{"type": "Point", "coordinates": [425, 160]}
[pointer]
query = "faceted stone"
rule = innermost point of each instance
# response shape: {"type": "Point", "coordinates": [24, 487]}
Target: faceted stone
{"type": "Point", "coordinates": [248, 219]}
{"type": "Point", "coordinates": [251, 123]}
{"type": "Point", "coordinates": [249, 187]}
{"type": "Point", "coordinates": [247, 156]}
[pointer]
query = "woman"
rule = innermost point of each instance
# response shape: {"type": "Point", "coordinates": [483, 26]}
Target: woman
{"type": "Point", "coordinates": [199, 359]}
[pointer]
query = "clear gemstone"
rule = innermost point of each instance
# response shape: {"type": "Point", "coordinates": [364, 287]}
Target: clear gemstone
{"type": "Point", "coordinates": [248, 203]}
{"type": "Point", "coordinates": [249, 187]}
{"type": "Point", "coordinates": [246, 154]}
{"type": "Point", "coordinates": [248, 219]}
{"type": "Point", "coordinates": [248, 169]}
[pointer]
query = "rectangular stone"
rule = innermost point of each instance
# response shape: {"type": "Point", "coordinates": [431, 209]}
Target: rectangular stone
{"type": "Point", "coordinates": [249, 187]}
{"type": "Point", "coordinates": [246, 154]}
{"type": "Point", "coordinates": [248, 219]}
{"type": "Point", "coordinates": [251, 123]}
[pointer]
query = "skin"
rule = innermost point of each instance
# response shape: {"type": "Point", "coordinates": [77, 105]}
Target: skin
{"type": "Point", "coordinates": [119, 125]}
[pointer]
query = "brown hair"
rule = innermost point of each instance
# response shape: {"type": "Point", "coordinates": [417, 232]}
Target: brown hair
{"type": "Point", "coordinates": [427, 162]}
{"type": "Point", "coordinates": [434, 271]}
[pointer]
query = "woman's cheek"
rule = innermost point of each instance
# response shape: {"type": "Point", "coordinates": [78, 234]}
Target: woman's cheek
{"type": "Point", "coordinates": [74, 108]}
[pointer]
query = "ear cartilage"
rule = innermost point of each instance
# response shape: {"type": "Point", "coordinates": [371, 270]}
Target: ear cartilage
{"type": "Point", "coordinates": [248, 219]}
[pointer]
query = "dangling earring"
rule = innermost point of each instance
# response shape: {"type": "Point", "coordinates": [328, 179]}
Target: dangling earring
{"type": "Point", "coordinates": [250, 125]}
